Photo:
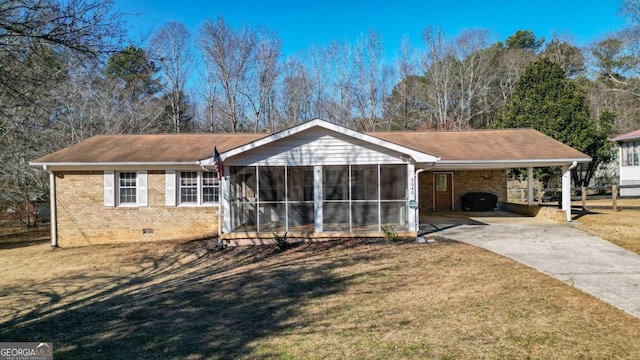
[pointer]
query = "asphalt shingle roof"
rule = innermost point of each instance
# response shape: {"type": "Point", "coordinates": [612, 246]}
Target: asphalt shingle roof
{"type": "Point", "coordinates": [484, 145]}
{"type": "Point", "coordinates": [475, 145]}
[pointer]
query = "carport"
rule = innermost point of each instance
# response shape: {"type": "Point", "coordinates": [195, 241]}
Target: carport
{"type": "Point", "coordinates": [477, 161]}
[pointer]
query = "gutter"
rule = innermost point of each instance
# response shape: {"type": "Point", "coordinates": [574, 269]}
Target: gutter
{"type": "Point", "coordinates": [52, 207]}
{"type": "Point", "coordinates": [130, 163]}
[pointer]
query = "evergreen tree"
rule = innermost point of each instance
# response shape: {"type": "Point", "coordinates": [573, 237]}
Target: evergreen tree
{"type": "Point", "coordinates": [137, 73]}
{"type": "Point", "coordinates": [547, 101]}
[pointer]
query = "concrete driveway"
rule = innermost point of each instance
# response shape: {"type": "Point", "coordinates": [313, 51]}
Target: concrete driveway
{"type": "Point", "coordinates": [589, 263]}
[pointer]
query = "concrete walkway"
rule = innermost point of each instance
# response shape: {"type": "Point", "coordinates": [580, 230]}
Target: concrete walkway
{"type": "Point", "coordinates": [589, 263]}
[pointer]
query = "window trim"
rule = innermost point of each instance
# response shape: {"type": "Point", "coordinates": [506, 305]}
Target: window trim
{"type": "Point", "coordinates": [119, 188]}
{"type": "Point", "coordinates": [112, 189]}
{"type": "Point", "coordinates": [630, 154]}
{"type": "Point", "coordinates": [199, 189]}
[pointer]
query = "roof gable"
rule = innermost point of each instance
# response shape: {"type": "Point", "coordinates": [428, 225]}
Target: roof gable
{"type": "Point", "coordinates": [316, 146]}
{"type": "Point", "coordinates": [418, 156]}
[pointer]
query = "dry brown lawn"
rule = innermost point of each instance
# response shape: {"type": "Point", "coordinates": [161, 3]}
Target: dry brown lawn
{"type": "Point", "coordinates": [339, 300]}
{"type": "Point", "coordinates": [620, 227]}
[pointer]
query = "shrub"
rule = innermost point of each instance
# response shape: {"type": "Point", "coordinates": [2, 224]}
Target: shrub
{"type": "Point", "coordinates": [390, 233]}
{"type": "Point", "coordinates": [281, 241]}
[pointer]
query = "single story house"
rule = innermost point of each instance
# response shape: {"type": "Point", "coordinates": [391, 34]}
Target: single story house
{"type": "Point", "coordinates": [313, 180]}
{"type": "Point", "coordinates": [629, 161]}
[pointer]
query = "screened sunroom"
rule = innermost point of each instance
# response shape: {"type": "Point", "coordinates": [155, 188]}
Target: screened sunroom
{"type": "Point", "coordinates": [307, 199]}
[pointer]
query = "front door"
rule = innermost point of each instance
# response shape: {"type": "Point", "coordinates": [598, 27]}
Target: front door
{"type": "Point", "coordinates": [443, 190]}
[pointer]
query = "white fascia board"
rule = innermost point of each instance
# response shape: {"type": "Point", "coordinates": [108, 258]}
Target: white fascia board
{"type": "Point", "coordinates": [58, 166]}
{"type": "Point", "coordinates": [416, 155]}
{"type": "Point", "coordinates": [503, 164]}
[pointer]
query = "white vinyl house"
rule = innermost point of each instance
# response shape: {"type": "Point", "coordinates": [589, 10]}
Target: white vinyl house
{"type": "Point", "coordinates": [629, 160]}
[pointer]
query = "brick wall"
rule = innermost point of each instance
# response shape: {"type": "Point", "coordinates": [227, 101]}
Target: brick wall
{"type": "Point", "coordinates": [83, 219]}
{"type": "Point", "coordinates": [464, 181]}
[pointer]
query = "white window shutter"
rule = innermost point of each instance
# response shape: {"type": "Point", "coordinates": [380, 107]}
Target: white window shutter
{"type": "Point", "coordinates": [109, 188]}
{"type": "Point", "coordinates": [170, 188]}
{"type": "Point", "coordinates": [141, 188]}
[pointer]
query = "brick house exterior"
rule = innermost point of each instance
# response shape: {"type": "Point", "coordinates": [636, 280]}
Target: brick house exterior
{"type": "Point", "coordinates": [465, 181]}
{"type": "Point", "coordinates": [314, 180]}
{"type": "Point", "coordinates": [83, 219]}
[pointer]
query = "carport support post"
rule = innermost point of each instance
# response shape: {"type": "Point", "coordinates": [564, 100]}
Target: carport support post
{"type": "Point", "coordinates": [566, 189]}
{"type": "Point", "coordinates": [530, 185]}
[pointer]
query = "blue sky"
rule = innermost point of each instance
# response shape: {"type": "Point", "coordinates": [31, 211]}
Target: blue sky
{"type": "Point", "coordinates": [301, 24]}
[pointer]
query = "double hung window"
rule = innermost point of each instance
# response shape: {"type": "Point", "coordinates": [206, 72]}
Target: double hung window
{"type": "Point", "coordinates": [198, 188]}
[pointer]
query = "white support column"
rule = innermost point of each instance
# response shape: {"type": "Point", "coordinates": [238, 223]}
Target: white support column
{"type": "Point", "coordinates": [566, 191]}
{"type": "Point", "coordinates": [225, 190]}
{"type": "Point", "coordinates": [53, 213]}
{"type": "Point", "coordinates": [412, 193]}
{"type": "Point", "coordinates": [317, 198]}
{"type": "Point", "coordinates": [530, 182]}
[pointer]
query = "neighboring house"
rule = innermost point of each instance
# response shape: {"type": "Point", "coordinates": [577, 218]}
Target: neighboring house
{"type": "Point", "coordinates": [315, 180]}
{"type": "Point", "coordinates": [629, 159]}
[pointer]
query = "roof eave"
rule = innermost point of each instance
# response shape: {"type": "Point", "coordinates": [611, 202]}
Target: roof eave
{"type": "Point", "coordinates": [505, 164]}
{"type": "Point", "coordinates": [61, 166]}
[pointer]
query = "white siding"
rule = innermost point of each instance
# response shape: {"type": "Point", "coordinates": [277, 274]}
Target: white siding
{"type": "Point", "coordinates": [316, 146]}
{"type": "Point", "coordinates": [630, 175]}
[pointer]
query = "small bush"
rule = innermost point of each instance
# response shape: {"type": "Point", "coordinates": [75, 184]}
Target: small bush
{"type": "Point", "coordinates": [390, 232]}
{"type": "Point", "coordinates": [281, 241]}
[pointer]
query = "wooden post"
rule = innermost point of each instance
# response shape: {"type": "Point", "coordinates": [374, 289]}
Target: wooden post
{"type": "Point", "coordinates": [584, 198]}
{"type": "Point", "coordinates": [614, 196]}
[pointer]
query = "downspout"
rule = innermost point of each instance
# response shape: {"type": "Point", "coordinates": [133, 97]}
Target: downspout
{"type": "Point", "coordinates": [416, 187]}
{"type": "Point", "coordinates": [573, 165]}
{"type": "Point", "coordinates": [52, 205]}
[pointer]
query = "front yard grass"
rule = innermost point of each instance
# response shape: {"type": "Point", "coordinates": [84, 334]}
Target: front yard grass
{"type": "Point", "coordinates": [619, 227]}
{"type": "Point", "coordinates": [341, 300]}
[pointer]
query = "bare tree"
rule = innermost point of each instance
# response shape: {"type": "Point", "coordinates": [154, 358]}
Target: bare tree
{"type": "Point", "coordinates": [568, 56]}
{"type": "Point", "coordinates": [439, 64]}
{"type": "Point", "coordinates": [81, 29]}
{"type": "Point", "coordinates": [260, 91]}
{"type": "Point", "coordinates": [474, 76]}
{"type": "Point", "coordinates": [340, 75]}
{"type": "Point", "coordinates": [42, 42]}
{"type": "Point", "coordinates": [296, 95]}
{"type": "Point", "coordinates": [170, 47]}
{"type": "Point", "coordinates": [404, 108]}
{"type": "Point", "coordinates": [371, 82]}
{"type": "Point", "coordinates": [230, 54]}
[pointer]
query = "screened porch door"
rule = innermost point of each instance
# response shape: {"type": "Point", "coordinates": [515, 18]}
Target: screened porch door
{"type": "Point", "coordinates": [443, 191]}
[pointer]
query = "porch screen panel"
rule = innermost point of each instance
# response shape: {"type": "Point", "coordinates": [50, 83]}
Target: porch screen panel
{"type": "Point", "coordinates": [271, 205]}
{"type": "Point", "coordinates": [300, 198]}
{"type": "Point", "coordinates": [393, 195]}
{"type": "Point", "coordinates": [364, 198]}
{"type": "Point", "coordinates": [244, 186]}
{"type": "Point", "coordinates": [335, 193]}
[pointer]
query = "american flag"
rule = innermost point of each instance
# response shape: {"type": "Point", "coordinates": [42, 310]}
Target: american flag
{"type": "Point", "coordinates": [217, 163]}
